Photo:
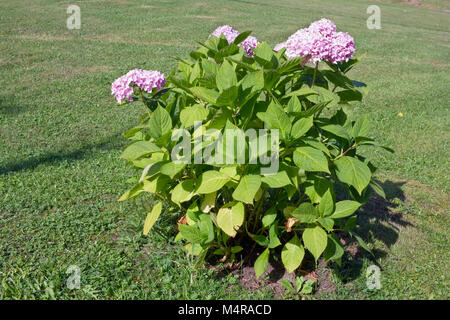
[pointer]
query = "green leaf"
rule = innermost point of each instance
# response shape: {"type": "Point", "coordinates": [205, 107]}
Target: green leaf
{"type": "Point", "coordinates": [160, 123]}
{"type": "Point", "coordinates": [326, 205]}
{"type": "Point", "coordinates": [292, 254]}
{"type": "Point", "coordinates": [206, 227]}
{"type": "Point", "coordinates": [287, 285]}
{"type": "Point", "coordinates": [277, 180]}
{"type": "Point", "coordinates": [263, 52]}
{"type": "Point", "coordinates": [183, 192]}
{"type": "Point", "coordinates": [262, 263]}
{"type": "Point", "coordinates": [336, 130]}
{"type": "Point", "coordinates": [291, 65]}
{"type": "Point", "coordinates": [227, 96]}
{"type": "Point", "coordinates": [226, 76]}
{"type": "Point", "coordinates": [334, 249]}
{"type": "Point", "coordinates": [361, 127]}
{"type": "Point", "coordinates": [377, 188]}
{"type": "Point", "coordinates": [139, 149]}
{"type": "Point", "coordinates": [276, 118]}
{"type": "Point", "coordinates": [318, 187]}
{"type": "Point", "coordinates": [247, 188]}
{"type": "Point", "coordinates": [230, 217]}
{"type": "Point", "coordinates": [211, 181]}
{"type": "Point", "coordinates": [191, 114]}
{"type": "Point", "coordinates": [254, 81]}
{"type": "Point", "coordinates": [132, 193]}
{"type": "Point", "coordinates": [273, 236]}
{"type": "Point", "coordinates": [310, 159]}
{"type": "Point", "coordinates": [327, 223]}
{"type": "Point", "coordinates": [315, 240]}
{"type": "Point", "coordinates": [353, 172]}
{"type": "Point", "coordinates": [361, 242]}
{"type": "Point", "coordinates": [269, 217]}
{"type": "Point", "coordinates": [208, 202]}
{"type": "Point", "coordinates": [345, 208]}
{"type": "Point", "coordinates": [171, 169]}
{"type": "Point", "coordinates": [294, 105]}
{"type": "Point", "coordinates": [152, 216]}
{"type": "Point", "coordinates": [305, 91]}
{"type": "Point", "coordinates": [299, 283]}
{"type": "Point", "coordinates": [306, 212]}
{"type": "Point", "coordinates": [191, 233]}
{"type": "Point", "coordinates": [241, 37]}
{"type": "Point", "coordinates": [208, 95]}
{"type": "Point", "coordinates": [301, 127]}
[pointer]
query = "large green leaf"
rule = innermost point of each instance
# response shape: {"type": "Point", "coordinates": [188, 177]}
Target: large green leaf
{"type": "Point", "coordinates": [191, 233]}
{"type": "Point", "coordinates": [262, 263]}
{"type": "Point", "coordinates": [353, 172]}
{"type": "Point", "coordinates": [184, 191]}
{"type": "Point", "coordinates": [301, 126]}
{"type": "Point", "coordinates": [211, 181]}
{"type": "Point", "coordinates": [230, 217]}
{"type": "Point", "coordinates": [310, 159]}
{"type": "Point", "coordinates": [160, 122]}
{"type": "Point", "coordinates": [277, 180]}
{"type": "Point", "coordinates": [345, 208]}
{"type": "Point", "coordinates": [253, 81]}
{"type": "Point", "coordinates": [315, 240]}
{"type": "Point", "coordinates": [276, 118]}
{"type": "Point", "coordinates": [337, 130]}
{"type": "Point", "coordinates": [305, 91]}
{"type": "Point", "coordinates": [205, 94]}
{"type": "Point", "coordinates": [306, 212]}
{"type": "Point", "coordinates": [326, 205]}
{"type": "Point", "coordinates": [334, 249]}
{"type": "Point", "coordinates": [191, 114]}
{"type": "Point", "coordinates": [139, 149]}
{"type": "Point", "coordinates": [152, 216]}
{"type": "Point", "coordinates": [171, 168]}
{"type": "Point", "coordinates": [292, 254]}
{"type": "Point", "coordinates": [247, 188]}
{"type": "Point", "coordinates": [226, 76]}
{"type": "Point", "coordinates": [361, 127]}
{"type": "Point", "coordinates": [269, 217]}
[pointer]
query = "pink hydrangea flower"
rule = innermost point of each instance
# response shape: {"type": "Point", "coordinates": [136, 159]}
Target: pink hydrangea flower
{"type": "Point", "coordinates": [249, 44]}
{"type": "Point", "coordinates": [279, 46]}
{"type": "Point", "coordinates": [321, 42]}
{"type": "Point", "coordinates": [144, 79]}
{"type": "Point", "coordinates": [342, 47]}
{"type": "Point", "coordinates": [323, 26]}
{"type": "Point", "coordinates": [230, 34]}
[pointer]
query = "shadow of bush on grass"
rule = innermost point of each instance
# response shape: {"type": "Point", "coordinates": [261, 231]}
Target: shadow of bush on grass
{"type": "Point", "coordinates": [109, 143]}
{"type": "Point", "coordinates": [377, 221]}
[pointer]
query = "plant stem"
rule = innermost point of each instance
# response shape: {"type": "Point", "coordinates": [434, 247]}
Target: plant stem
{"type": "Point", "coordinates": [314, 75]}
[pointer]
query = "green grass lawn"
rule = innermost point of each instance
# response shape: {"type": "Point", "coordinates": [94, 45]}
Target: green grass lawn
{"type": "Point", "coordinates": [60, 140]}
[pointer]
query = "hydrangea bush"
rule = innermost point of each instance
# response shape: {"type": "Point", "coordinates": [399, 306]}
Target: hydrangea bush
{"type": "Point", "coordinates": [301, 93]}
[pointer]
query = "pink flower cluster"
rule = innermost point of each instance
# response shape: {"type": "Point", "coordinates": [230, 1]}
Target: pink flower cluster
{"type": "Point", "coordinates": [321, 42]}
{"type": "Point", "coordinates": [231, 34]}
{"type": "Point", "coordinates": [144, 79]}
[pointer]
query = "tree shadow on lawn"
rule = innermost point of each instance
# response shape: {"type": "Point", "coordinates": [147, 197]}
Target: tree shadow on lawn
{"type": "Point", "coordinates": [377, 221]}
{"type": "Point", "coordinates": [109, 143]}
